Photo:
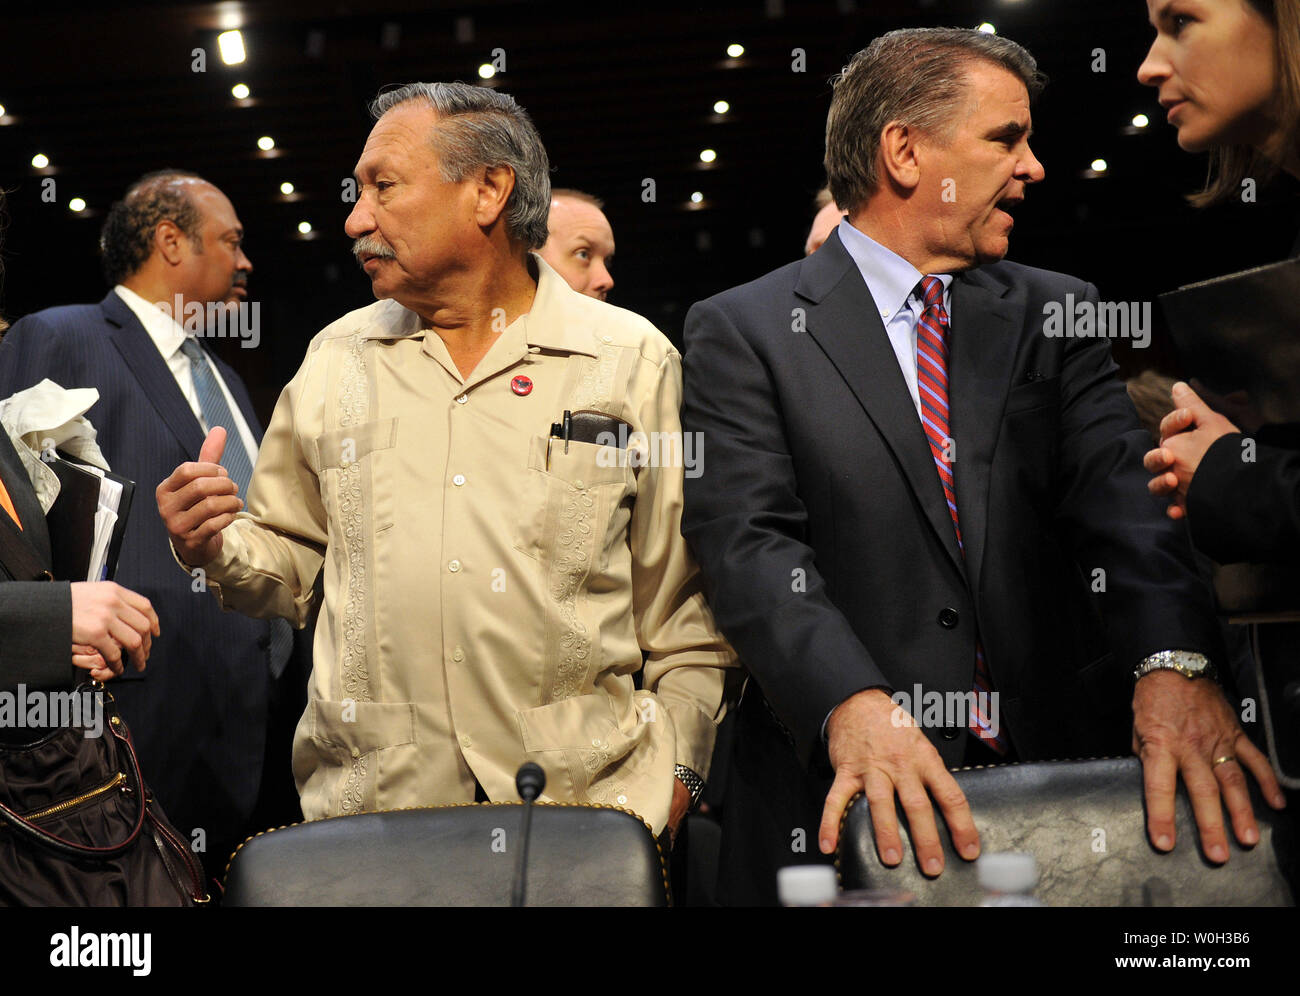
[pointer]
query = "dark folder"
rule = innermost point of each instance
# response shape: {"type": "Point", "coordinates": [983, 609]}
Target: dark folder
{"type": "Point", "coordinates": [1240, 334]}
{"type": "Point", "coordinates": [71, 520]}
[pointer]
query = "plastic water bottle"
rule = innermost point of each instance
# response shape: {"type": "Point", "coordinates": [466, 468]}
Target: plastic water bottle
{"type": "Point", "coordinates": [1008, 879]}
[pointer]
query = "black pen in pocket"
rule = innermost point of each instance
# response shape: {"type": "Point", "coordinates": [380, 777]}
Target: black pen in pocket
{"type": "Point", "coordinates": [560, 430]}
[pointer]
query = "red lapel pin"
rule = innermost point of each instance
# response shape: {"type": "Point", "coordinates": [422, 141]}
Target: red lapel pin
{"type": "Point", "coordinates": [521, 385]}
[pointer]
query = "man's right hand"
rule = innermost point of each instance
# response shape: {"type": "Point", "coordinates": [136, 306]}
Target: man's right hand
{"type": "Point", "coordinates": [107, 619]}
{"type": "Point", "coordinates": [199, 500]}
{"type": "Point", "coordinates": [877, 748]}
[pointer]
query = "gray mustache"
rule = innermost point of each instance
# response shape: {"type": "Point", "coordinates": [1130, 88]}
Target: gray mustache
{"type": "Point", "coordinates": [370, 246]}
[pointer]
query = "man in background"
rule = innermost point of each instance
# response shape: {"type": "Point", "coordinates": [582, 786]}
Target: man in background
{"type": "Point", "coordinates": [581, 242]}
{"type": "Point", "coordinates": [824, 221]}
{"type": "Point", "coordinates": [172, 251]}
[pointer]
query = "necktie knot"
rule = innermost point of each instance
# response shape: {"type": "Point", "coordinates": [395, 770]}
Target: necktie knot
{"type": "Point", "coordinates": [192, 350]}
{"type": "Point", "coordinates": [931, 289]}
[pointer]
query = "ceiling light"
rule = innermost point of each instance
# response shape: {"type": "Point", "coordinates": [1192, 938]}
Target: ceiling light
{"type": "Point", "coordinates": [286, 188]}
{"type": "Point", "coordinates": [304, 227]}
{"type": "Point", "coordinates": [486, 71]}
{"type": "Point", "coordinates": [266, 143]}
{"type": "Point", "coordinates": [240, 91]}
{"type": "Point", "coordinates": [735, 51]}
{"type": "Point", "coordinates": [76, 204]}
{"type": "Point", "coordinates": [708, 155]}
{"type": "Point", "coordinates": [721, 107]}
{"type": "Point", "coordinates": [40, 160]}
{"type": "Point", "coordinates": [231, 46]}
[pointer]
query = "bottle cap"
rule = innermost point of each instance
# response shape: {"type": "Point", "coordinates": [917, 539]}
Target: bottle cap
{"type": "Point", "coordinates": [1010, 871]}
{"type": "Point", "coordinates": [807, 885]}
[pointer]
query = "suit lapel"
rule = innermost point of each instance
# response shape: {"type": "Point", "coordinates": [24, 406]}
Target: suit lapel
{"type": "Point", "coordinates": [982, 348]}
{"type": "Point", "coordinates": [844, 321]}
{"type": "Point", "coordinates": [150, 369]}
{"type": "Point", "coordinates": [34, 531]}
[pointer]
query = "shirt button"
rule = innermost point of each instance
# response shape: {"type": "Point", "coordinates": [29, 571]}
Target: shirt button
{"type": "Point", "coordinates": [578, 484]}
{"type": "Point", "coordinates": [356, 752]}
{"type": "Point", "coordinates": [461, 399]}
{"type": "Point", "coordinates": [621, 800]}
{"type": "Point", "coordinates": [595, 743]}
{"type": "Point", "coordinates": [454, 566]}
{"type": "Point", "coordinates": [948, 618]}
{"type": "Point", "coordinates": [606, 338]}
{"type": "Point", "coordinates": [458, 480]}
{"type": "Point", "coordinates": [458, 654]}
{"type": "Point", "coordinates": [466, 742]}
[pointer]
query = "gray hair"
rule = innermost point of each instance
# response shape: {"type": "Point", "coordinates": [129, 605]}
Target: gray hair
{"type": "Point", "coordinates": [916, 76]}
{"type": "Point", "coordinates": [478, 126]}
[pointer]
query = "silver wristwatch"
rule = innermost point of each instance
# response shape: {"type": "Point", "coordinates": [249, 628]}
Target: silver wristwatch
{"type": "Point", "coordinates": [693, 782]}
{"type": "Point", "coordinates": [1185, 662]}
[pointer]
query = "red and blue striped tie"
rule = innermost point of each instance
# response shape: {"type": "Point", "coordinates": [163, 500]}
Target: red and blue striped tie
{"type": "Point", "coordinates": [932, 386]}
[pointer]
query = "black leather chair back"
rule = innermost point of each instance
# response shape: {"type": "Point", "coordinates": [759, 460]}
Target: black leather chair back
{"type": "Point", "coordinates": [452, 856]}
{"type": "Point", "coordinates": [1085, 823]}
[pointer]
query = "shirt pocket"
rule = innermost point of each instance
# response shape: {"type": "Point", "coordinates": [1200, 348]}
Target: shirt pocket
{"type": "Point", "coordinates": [569, 495]}
{"type": "Point", "coordinates": [575, 740]}
{"type": "Point", "coordinates": [371, 744]}
{"type": "Point", "coordinates": [353, 477]}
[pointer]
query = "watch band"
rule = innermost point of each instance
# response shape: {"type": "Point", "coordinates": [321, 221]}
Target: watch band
{"type": "Point", "coordinates": [693, 782]}
{"type": "Point", "coordinates": [1188, 663]}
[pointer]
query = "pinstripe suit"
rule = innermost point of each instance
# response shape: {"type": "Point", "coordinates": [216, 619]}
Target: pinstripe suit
{"type": "Point", "coordinates": [199, 711]}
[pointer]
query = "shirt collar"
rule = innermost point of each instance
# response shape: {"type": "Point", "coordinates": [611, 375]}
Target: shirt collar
{"type": "Point", "coordinates": [890, 278]}
{"type": "Point", "coordinates": [163, 329]}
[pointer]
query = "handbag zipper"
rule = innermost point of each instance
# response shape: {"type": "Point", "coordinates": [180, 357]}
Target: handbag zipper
{"type": "Point", "coordinates": [77, 800]}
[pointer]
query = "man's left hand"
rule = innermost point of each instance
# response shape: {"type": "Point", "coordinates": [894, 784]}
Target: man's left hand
{"type": "Point", "coordinates": [677, 811]}
{"type": "Point", "coordinates": [1185, 434]}
{"type": "Point", "coordinates": [1183, 726]}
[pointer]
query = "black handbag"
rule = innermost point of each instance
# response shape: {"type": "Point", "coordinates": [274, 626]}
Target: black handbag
{"type": "Point", "coordinates": [78, 826]}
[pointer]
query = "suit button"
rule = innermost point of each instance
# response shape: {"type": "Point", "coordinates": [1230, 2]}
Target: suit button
{"type": "Point", "coordinates": [948, 618]}
{"type": "Point", "coordinates": [950, 732]}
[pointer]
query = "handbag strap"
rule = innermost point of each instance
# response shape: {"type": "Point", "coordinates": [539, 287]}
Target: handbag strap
{"type": "Point", "coordinates": [70, 848]}
{"type": "Point", "coordinates": [17, 556]}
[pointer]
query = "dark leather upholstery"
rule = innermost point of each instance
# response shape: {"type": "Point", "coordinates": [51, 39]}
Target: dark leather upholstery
{"type": "Point", "coordinates": [1086, 824]}
{"type": "Point", "coordinates": [452, 856]}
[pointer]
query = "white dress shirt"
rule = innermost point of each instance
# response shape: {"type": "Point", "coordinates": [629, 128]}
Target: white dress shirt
{"type": "Point", "coordinates": [168, 336]}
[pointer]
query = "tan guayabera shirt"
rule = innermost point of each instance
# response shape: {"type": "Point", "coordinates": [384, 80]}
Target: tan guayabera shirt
{"type": "Point", "coordinates": [481, 609]}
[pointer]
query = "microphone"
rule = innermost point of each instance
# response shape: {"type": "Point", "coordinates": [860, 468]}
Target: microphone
{"type": "Point", "coordinates": [530, 779]}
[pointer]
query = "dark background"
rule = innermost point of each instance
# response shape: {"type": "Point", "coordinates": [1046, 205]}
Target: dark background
{"type": "Point", "coordinates": [620, 92]}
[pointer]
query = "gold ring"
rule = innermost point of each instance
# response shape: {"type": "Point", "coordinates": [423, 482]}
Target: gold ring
{"type": "Point", "coordinates": [1222, 760]}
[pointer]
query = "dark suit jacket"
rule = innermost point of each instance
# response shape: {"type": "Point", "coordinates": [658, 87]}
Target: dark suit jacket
{"type": "Point", "coordinates": [198, 712]}
{"type": "Point", "coordinates": [35, 616]}
{"type": "Point", "coordinates": [828, 553]}
{"type": "Point", "coordinates": [1249, 511]}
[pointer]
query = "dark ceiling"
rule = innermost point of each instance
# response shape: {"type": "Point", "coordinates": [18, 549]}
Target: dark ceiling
{"type": "Point", "coordinates": [620, 93]}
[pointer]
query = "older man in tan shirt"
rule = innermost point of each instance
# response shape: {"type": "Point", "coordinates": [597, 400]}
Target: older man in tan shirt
{"type": "Point", "coordinates": [491, 592]}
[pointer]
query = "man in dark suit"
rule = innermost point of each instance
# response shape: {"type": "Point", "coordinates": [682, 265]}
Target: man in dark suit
{"type": "Point", "coordinates": [172, 250]}
{"type": "Point", "coordinates": [898, 505]}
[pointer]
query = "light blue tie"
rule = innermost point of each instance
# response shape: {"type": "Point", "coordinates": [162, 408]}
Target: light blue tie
{"type": "Point", "coordinates": [212, 403]}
